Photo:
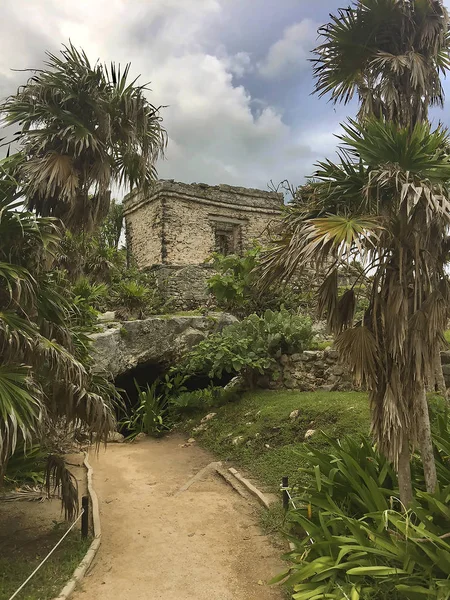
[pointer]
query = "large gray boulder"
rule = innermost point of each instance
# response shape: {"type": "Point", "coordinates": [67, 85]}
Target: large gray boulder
{"type": "Point", "coordinates": [157, 340]}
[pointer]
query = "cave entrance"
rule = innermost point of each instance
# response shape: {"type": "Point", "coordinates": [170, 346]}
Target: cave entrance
{"type": "Point", "coordinates": [146, 374]}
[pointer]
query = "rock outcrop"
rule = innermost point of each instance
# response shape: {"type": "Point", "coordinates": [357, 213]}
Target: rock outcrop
{"type": "Point", "coordinates": [158, 340]}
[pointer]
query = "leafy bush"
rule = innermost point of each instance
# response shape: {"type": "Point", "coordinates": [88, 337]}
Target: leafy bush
{"type": "Point", "coordinates": [131, 296]}
{"type": "Point", "coordinates": [356, 541]}
{"type": "Point", "coordinates": [100, 277]}
{"type": "Point", "coordinates": [200, 400]}
{"type": "Point", "coordinates": [26, 465]}
{"type": "Point", "coordinates": [235, 288]}
{"type": "Point", "coordinates": [251, 345]}
{"type": "Point", "coordinates": [150, 414]}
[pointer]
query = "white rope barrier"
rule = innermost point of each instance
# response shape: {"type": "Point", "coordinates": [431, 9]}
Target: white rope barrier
{"type": "Point", "coordinates": [47, 557]}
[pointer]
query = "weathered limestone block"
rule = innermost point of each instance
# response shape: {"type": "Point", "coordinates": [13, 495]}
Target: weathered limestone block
{"type": "Point", "coordinates": [180, 224]}
{"type": "Point", "coordinates": [186, 287]}
{"type": "Point", "coordinates": [158, 340]}
{"type": "Point", "coordinates": [313, 369]}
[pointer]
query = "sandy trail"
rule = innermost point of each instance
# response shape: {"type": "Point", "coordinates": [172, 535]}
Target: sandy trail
{"type": "Point", "coordinates": [201, 544]}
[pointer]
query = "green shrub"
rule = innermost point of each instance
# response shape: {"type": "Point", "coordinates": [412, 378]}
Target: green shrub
{"type": "Point", "coordinates": [200, 400]}
{"type": "Point", "coordinates": [251, 345]}
{"type": "Point", "coordinates": [131, 296]}
{"type": "Point", "coordinates": [26, 465]}
{"type": "Point", "coordinates": [356, 542]}
{"type": "Point", "coordinates": [100, 277]}
{"type": "Point", "coordinates": [235, 287]}
{"type": "Point", "coordinates": [150, 414]}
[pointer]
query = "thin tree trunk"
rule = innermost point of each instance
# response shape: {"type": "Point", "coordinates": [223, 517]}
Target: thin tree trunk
{"type": "Point", "coordinates": [439, 380]}
{"type": "Point", "coordinates": [425, 442]}
{"type": "Point", "coordinates": [404, 475]}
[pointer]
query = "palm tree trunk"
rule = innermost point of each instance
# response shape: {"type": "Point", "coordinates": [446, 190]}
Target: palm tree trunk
{"type": "Point", "coordinates": [425, 442]}
{"type": "Point", "coordinates": [439, 381]}
{"type": "Point", "coordinates": [404, 475]}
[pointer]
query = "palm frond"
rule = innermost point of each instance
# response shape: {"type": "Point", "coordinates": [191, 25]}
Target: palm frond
{"type": "Point", "coordinates": [21, 408]}
{"type": "Point", "coordinates": [58, 479]}
{"type": "Point", "coordinates": [388, 52]}
{"type": "Point", "coordinates": [359, 349]}
{"type": "Point", "coordinates": [83, 128]}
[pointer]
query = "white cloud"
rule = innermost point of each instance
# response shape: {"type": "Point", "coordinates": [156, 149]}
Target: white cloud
{"type": "Point", "coordinates": [290, 54]}
{"type": "Point", "coordinates": [240, 64]}
{"type": "Point", "coordinates": [218, 132]}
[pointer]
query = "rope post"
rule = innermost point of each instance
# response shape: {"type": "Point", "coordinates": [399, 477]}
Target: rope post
{"type": "Point", "coordinates": [85, 517]}
{"type": "Point", "coordinates": [284, 485]}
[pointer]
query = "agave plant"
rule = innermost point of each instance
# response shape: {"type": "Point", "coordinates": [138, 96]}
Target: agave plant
{"type": "Point", "coordinates": [387, 204]}
{"type": "Point", "coordinates": [44, 361]}
{"type": "Point", "coordinates": [83, 127]}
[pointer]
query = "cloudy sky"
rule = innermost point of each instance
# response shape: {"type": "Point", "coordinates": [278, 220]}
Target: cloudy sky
{"type": "Point", "coordinates": [234, 75]}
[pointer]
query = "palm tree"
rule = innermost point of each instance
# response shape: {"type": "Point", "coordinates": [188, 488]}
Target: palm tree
{"type": "Point", "coordinates": [390, 53]}
{"type": "Point", "coordinates": [387, 204]}
{"type": "Point", "coordinates": [45, 373]}
{"type": "Point", "coordinates": [83, 128]}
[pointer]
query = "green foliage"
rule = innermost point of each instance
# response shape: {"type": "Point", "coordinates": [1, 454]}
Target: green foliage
{"type": "Point", "coordinates": [131, 296]}
{"type": "Point", "coordinates": [26, 466]}
{"type": "Point", "coordinates": [83, 128]}
{"type": "Point", "coordinates": [201, 400]}
{"type": "Point", "coordinates": [45, 372]}
{"type": "Point", "coordinates": [352, 537]}
{"type": "Point", "coordinates": [235, 286]}
{"type": "Point", "coordinates": [251, 345]}
{"type": "Point", "coordinates": [112, 226]}
{"type": "Point", "coordinates": [149, 416]}
{"type": "Point", "coordinates": [97, 273]}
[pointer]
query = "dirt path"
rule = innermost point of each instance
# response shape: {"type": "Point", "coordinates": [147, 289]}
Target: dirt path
{"type": "Point", "coordinates": [201, 544]}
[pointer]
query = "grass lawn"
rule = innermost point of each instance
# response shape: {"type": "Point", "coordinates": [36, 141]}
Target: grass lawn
{"type": "Point", "coordinates": [18, 563]}
{"type": "Point", "coordinates": [261, 418]}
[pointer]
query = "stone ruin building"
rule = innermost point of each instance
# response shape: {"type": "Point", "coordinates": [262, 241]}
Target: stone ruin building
{"type": "Point", "coordinates": [175, 229]}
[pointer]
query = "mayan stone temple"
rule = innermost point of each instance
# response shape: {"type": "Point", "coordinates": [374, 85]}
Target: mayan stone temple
{"type": "Point", "coordinates": [177, 226]}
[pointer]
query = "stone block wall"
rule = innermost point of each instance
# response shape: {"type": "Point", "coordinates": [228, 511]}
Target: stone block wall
{"type": "Point", "coordinates": [143, 230]}
{"type": "Point", "coordinates": [184, 286]}
{"type": "Point", "coordinates": [445, 359]}
{"type": "Point", "coordinates": [182, 224]}
{"type": "Point", "coordinates": [322, 370]}
{"type": "Point", "coordinates": [309, 371]}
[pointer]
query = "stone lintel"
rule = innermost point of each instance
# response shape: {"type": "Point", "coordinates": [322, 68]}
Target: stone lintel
{"type": "Point", "coordinates": [225, 196]}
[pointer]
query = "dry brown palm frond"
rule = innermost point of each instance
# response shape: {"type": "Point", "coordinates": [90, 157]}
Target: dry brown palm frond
{"type": "Point", "coordinates": [327, 297]}
{"type": "Point", "coordinates": [345, 311]}
{"type": "Point", "coordinates": [51, 174]}
{"type": "Point", "coordinates": [27, 493]}
{"type": "Point", "coordinates": [391, 416]}
{"type": "Point", "coordinates": [395, 319]}
{"type": "Point", "coordinates": [419, 349]}
{"type": "Point", "coordinates": [59, 479]}
{"type": "Point", "coordinates": [358, 348]}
